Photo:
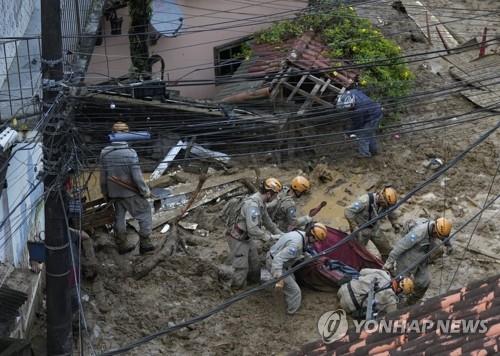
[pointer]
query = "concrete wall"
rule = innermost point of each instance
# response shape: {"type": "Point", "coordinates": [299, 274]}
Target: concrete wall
{"type": "Point", "coordinates": [15, 16]}
{"type": "Point", "coordinates": [21, 214]}
{"type": "Point", "coordinates": [190, 55]}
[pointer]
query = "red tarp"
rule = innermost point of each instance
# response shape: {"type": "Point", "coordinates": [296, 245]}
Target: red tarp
{"type": "Point", "coordinates": [316, 275]}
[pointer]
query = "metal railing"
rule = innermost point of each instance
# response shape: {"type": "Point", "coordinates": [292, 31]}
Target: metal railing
{"type": "Point", "coordinates": [20, 61]}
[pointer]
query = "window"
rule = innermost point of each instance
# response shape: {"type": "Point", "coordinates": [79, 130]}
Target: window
{"type": "Point", "coordinates": [227, 58]}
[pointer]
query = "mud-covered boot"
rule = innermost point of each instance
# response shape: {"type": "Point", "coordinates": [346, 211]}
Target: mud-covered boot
{"type": "Point", "coordinates": [122, 243]}
{"type": "Point", "coordinates": [145, 245]}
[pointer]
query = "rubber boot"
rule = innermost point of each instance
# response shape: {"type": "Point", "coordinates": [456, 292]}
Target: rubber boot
{"type": "Point", "coordinates": [145, 245]}
{"type": "Point", "coordinates": [122, 243]}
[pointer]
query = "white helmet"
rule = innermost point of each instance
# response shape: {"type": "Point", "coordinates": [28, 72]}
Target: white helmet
{"type": "Point", "coordinates": [346, 100]}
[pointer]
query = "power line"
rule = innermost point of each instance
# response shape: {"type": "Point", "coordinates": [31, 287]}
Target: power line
{"type": "Point", "coordinates": [267, 284]}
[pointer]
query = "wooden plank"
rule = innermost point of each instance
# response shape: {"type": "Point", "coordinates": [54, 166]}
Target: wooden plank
{"type": "Point", "coordinates": [306, 94]}
{"type": "Point", "coordinates": [283, 78]}
{"type": "Point", "coordinates": [308, 102]}
{"type": "Point", "coordinates": [191, 107]}
{"type": "Point", "coordinates": [323, 88]}
{"type": "Point", "coordinates": [205, 197]}
{"type": "Point", "coordinates": [325, 84]}
{"type": "Point", "coordinates": [294, 91]}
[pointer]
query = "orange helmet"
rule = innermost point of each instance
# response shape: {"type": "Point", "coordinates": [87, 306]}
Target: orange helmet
{"type": "Point", "coordinates": [403, 284]}
{"type": "Point", "coordinates": [318, 231]}
{"type": "Point", "coordinates": [390, 195]}
{"type": "Point", "coordinates": [120, 126]}
{"type": "Point", "coordinates": [272, 184]}
{"type": "Point", "coordinates": [300, 184]}
{"type": "Point", "coordinates": [443, 227]}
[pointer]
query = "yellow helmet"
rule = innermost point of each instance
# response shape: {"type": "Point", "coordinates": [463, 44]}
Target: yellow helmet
{"type": "Point", "coordinates": [273, 184]}
{"type": "Point", "coordinates": [300, 184]}
{"type": "Point", "coordinates": [442, 227]}
{"type": "Point", "coordinates": [407, 285]}
{"type": "Point", "coordinates": [120, 126]}
{"type": "Point", "coordinates": [390, 195]}
{"type": "Point", "coordinates": [318, 231]}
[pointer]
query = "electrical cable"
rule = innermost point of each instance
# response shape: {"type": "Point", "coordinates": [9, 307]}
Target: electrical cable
{"type": "Point", "coordinates": [474, 229]}
{"type": "Point", "coordinates": [349, 237]}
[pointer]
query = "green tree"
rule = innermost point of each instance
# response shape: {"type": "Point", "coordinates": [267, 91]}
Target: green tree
{"type": "Point", "coordinates": [140, 15]}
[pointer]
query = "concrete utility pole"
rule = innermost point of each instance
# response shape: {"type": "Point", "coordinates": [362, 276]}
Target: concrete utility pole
{"type": "Point", "coordinates": [59, 338]}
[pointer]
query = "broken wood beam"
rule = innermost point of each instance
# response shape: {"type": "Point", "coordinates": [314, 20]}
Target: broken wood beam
{"type": "Point", "coordinates": [297, 87]}
{"type": "Point", "coordinates": [325, 84]}
{"type": "Point", "coordinates": [308, 102]}
{"type": "Point", "coordinates": [283, 78]}
{"type": "Point", "coordinates": [247, 95]}
{"type": "Point", "coordinates": [306, 94]}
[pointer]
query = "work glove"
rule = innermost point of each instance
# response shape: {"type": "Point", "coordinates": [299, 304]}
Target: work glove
{"type": "Point", "coordinates": [390, 265]}
{"type": "Point", "coordinates": [275, 237]}
{"type": "Point", "coordinates": [147, 195]}
{"type": "Point", "coordinates": [280, 284]}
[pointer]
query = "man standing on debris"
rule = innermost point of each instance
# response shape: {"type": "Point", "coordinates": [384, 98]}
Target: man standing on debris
{"type": "Point", "coordinates": [248, 228]}
{"type": "Point", "coordinates": [283, 210]}
{"type": "Point", "coordinates": [354, 295]}
{"type": "Point", "coordinates": [122, 182]}
{"type": "Point", "coordinates": [366, 208]}
{"type": "Point", "coordinates": [365, 119]}
{"type": "Point", "coordinates": [285, 252]}
{"type": "Point", "coordinates": [408, 255]}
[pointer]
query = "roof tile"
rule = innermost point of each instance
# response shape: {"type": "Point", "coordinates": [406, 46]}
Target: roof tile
{"type": "Point", "coordinates": [479, 301]}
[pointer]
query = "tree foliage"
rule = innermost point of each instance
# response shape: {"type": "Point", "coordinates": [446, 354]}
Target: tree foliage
{"type": "Point", "coordinates": [350, 38]}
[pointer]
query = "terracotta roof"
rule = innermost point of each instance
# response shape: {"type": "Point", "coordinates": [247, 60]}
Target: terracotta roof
{"type": "Point", "coordinates": [307, 52]}
{"type": "Point", "coordinates": [478, 301]}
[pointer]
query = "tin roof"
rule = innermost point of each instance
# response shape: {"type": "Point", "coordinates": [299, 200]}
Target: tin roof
{"type": "Point", "coordinates": [479, 301]}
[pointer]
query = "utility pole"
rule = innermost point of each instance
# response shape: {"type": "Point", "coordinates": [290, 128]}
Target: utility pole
{"type": "Point", "coordinates": [59, 338]}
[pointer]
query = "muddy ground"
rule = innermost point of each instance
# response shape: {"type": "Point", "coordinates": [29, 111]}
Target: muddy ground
{"type": "Point", "coordinates": [121, 309]}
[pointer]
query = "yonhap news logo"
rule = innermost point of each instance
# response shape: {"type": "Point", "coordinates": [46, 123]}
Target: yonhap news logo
{"type": "Point", "coordinates": [333, 326]}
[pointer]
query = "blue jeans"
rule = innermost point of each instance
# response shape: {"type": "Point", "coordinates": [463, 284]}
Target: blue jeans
{"type": "Point", "coordinates": [367, 141]}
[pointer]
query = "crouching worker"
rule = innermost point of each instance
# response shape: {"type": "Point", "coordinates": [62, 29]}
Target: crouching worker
{"type": "Point", "coordinates": [249, 227]}
{"type": "Point", "coordinates": [353, 295]}
{"type": "Point", "coordinates": [285, 253]}
{"type": "Point", "coordinates": [409, 255]}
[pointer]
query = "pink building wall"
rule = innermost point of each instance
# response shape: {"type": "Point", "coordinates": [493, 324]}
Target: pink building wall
{"type": "Point", "coordinates": [190, 55]}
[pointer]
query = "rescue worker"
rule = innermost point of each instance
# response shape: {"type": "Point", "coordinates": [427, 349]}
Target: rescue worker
{"type": "Point", "coordinates": [290, 248]}
{"type": "Point", "coordinates": [353, 295]}
{"type": "Point", "coordinates": [283, 210]}
{"type": "Point", "coordinates": [248, 228]}
{"type": "Point", "coordinates": [365, 208]}
{"type": "Point", "coordinates": [122, 182]}
{"type": "Point", "coordinates": [412, 248]}
{"type": "Point", "coordinates": [365, 119]}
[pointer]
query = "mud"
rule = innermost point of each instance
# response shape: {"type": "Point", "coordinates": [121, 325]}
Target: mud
{"type": "Point", "coordinates": [121, 309]}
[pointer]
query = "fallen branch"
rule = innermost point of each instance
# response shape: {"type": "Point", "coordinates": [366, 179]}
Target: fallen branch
{"type": "Point", "coordinates": [169, 244]}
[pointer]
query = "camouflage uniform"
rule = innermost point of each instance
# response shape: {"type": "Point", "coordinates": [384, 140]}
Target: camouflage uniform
{"type": "Point", "coordinates": [121, 161]}
{"type": "Point", "coordinates": [283, 212]}
{"type": "Point", "coordinates": [282, 255]}
{"type": "Point", "coordinates": [410, 249]}
{"type": "Point", "coordinates": [385, 299]}
{"type": "Point", "coordinates": [241, 239]}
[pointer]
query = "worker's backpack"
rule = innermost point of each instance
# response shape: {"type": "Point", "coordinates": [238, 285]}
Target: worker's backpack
{"type": "Point", "coordinates": [231, 210]}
